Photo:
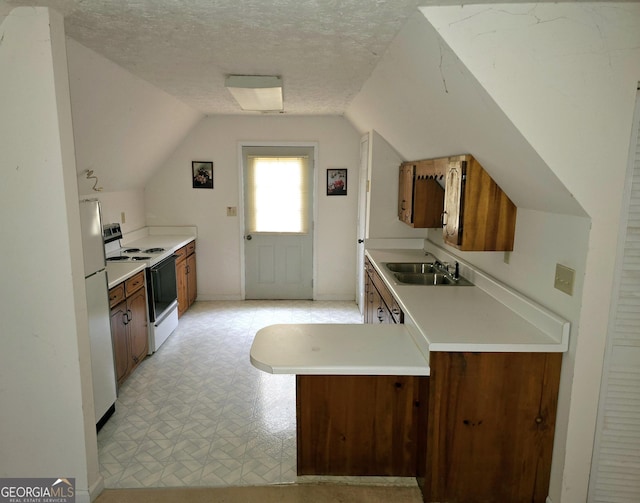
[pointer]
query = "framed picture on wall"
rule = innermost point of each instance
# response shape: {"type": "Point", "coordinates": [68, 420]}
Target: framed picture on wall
{"type": "Point", "coordinates": [202, 173]}
{"type": "Point", "coordinates": [337, 182]}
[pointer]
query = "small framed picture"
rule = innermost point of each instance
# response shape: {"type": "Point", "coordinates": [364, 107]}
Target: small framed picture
{"type": "Point", "coordinates": [202, 173]}
{"type": "Point", "coordinates": [337, 182]}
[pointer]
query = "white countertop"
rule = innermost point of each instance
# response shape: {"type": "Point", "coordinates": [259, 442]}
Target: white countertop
{"type": "Point", "coordinates": [117, 272]}
{"type": "Point", "coordinates": [493, 318]}
{"type": "Point", "coordinates": [337, 349]}
{"type": "Point", "coordinates": [470, 318]}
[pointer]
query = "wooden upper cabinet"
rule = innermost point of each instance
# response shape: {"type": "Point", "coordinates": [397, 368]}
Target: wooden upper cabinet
{"type": "Point", "coordinates": [405, 193]}
{"type": "Point", "coordinates": [478, 215]}
{"type": "Point", "coordinates": [456, 193]}
{"type": "Point", "coordinates": [420, 196]}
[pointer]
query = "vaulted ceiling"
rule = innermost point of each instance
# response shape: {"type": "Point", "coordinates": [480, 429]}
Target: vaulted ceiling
{"type": "Point", "coordinates": [324, 49]}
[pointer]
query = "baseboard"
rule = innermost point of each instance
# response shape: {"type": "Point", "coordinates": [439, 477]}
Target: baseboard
{"type": "Point", "coordinates": [337, 296]}
{"type": "Point", "coordinates": [94, 491]}
{"type": "Point", "coordinates": [208, 298]}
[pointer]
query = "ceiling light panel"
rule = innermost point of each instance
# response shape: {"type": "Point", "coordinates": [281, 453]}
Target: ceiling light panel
{"type": "Point", "coordinates": [256, 93]}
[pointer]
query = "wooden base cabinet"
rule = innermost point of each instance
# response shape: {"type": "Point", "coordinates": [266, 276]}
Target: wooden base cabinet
{"type": "Point", "coordinates": [186, 277]}
{"type": "Point", "coordinates": [129, 328]}
{"type": "Point", "coordinates": [479, 429]}
{"type": "Point", "coordinates": [491, 422]}
{"type": "Point", "coordinates": [380, 305]}
{"type": "Point", "coordinates": [357, 425]}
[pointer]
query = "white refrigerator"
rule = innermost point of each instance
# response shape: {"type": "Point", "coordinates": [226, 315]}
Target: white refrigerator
{"type": "Point", "coordinates": [95, 273]}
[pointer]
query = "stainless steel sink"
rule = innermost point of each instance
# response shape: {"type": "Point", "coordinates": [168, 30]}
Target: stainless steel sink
{"type": "Point", "coordinates": [412, 267]}
{"type": "Point", "coordinates": [433, 279]}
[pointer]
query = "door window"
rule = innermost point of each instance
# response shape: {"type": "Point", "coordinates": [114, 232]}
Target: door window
{"type": "Point", "coordinates": [277, 195]}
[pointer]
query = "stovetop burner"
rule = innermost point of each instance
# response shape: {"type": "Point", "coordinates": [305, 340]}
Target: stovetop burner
{"type": "Point", "coordinates": [139, 257]}
{"type": "Point", "coordinates": [131, 250]}
{"type": "Point", "coordinates": [154, 250]}
{"type": "Point", "coordinates": [117, 258]}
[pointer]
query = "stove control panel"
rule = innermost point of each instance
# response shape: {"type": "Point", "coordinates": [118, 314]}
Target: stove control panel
{"type": "Point", "coordinates": [111, 232]}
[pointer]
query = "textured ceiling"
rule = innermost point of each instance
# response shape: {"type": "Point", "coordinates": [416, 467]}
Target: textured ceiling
{"type": "Point", "coordinates": [324, 49]}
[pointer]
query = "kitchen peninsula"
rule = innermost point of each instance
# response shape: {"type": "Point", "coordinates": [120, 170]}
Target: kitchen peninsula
{"type": "Point", "coordinates": [461, 396]}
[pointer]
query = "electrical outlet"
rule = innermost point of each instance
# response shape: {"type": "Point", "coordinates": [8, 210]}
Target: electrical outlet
{"type": "Point", "coordinates": [232, 211]}
{"type": "Point", "coordinates": [506, 257]}
{"type": "Point", "coordinates": [564, 279]}
{"type": "Point", "coordinates": [122, 218]}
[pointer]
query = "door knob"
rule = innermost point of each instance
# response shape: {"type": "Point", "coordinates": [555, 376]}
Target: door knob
{"type": "Point", "coordinates": [249, 237]}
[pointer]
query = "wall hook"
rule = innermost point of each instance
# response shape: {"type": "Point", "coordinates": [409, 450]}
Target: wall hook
{"type": "Point", "coordinates": [90, 175]}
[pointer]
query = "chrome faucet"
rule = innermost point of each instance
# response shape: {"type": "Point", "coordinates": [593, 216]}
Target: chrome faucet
{"type": "Point", "coordinates": [444, 268]}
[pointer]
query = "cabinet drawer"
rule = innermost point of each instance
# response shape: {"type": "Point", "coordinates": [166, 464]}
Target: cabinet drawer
{"type": "Point", "coordinates": [191, 247]}
{"type": "Point", "coordinates": [134, 283]}
{"type": "Point", "coordinates": [116, 295]}
{"type": "Point", "coordinates": [387, 296]}
{"type": "Point", "coordinates": [181, 254]}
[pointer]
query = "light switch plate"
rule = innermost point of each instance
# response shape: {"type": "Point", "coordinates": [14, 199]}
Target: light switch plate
{"type": "Point", "coordinates": [232, 211]}
{"type": "Point", "coordinates": [564, 279]}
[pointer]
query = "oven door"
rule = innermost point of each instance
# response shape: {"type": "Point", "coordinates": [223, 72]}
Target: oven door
{"type": "Point", "coordinates": [164, 290]}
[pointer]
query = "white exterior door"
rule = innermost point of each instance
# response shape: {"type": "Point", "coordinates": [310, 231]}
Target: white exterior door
{"type": "Point", "coordinates": [278, 193]}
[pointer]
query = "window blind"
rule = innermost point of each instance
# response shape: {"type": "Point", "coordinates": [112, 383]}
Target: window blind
{"type": "Point", "coordinates": [278, 198]}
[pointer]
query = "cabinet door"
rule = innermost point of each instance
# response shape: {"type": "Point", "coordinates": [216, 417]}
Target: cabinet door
{"type": "Point", "coordinates": [357, 425]}
{"type": "Point", "coordinates": [192, 279]}
{"type": "Point", "coordinates": [381, 313]}
{"type": "Point", "coordinates": [138, 334]}
{"type": "Point", "coordinates": [405, 194]}
{"type": "Point", "coordinates": [183, 293]}
{"type": "Point", "coordinates": [119, 336]}
{"type": "Point", "coordinates": [453, 203]}
{"type": "Point", "coordinates": [491, 426]}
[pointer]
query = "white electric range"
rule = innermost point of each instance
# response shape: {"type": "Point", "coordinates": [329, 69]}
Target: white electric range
{"type": "Point", "coordinates": [160, 274]}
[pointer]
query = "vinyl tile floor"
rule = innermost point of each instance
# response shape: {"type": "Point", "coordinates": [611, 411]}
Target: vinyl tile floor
{"type": "Point", "coordinates": [197, 413]}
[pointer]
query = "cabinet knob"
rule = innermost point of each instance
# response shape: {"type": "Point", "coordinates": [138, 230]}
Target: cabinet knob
{"type": "Point", "coordinates": [539, 420]}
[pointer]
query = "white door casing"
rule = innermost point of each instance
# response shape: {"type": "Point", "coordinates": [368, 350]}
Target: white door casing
{"type": "Point", "coordinates": [362, 219]}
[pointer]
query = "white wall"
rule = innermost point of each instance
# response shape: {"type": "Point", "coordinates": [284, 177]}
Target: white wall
{"type": "Point", "coordinates": [171, 200]}
{"type": "Point", "coordinates": [566, 75]}
{"type": "Point", "coordinates": [124, 127]}
{"type": "Point", "coordinates": [423, 101]}
{"type": "Point", "coordinates": [129, 202]}
{"type": "Point", "coordinates": [47, 426]}
{"type": "Point", "coordinates": [382, 201]}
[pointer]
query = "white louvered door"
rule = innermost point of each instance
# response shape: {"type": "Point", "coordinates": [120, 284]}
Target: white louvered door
{"type": "Point", "coordinates": [615, 470]}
